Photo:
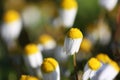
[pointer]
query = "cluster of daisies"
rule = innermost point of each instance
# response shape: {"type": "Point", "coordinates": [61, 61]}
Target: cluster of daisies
{"type": "Point", "coordinates": [47, 66]}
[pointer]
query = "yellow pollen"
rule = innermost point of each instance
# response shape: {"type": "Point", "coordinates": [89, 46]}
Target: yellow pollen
{"type": "Point", "coordinates": [69, 4]}
{"type": "Point", "coordinates": [94, 64]}
{"type": "Point", "coordinates": [103, 58]}
{"type": "Point", "coordinates": [43, 39]}
{"type": "Point", "coordinates": [115, 65]}
{"type": "Point", "coordinates": [31, 49]}
{"type": "Point", "coordinates": [86, 45]}
{"type": "Point", "coordinates": [74, 33]}
{"type": "Point", "coordinates": [49, 65]}
{"type": "Point", "coordinates": [27, 77]}
{"type": "Point", "coordinates": [11, 16]}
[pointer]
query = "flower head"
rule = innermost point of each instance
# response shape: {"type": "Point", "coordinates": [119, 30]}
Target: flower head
{"type": "Point", "coordinates": [11, 28]}
{"type": "Point", "coordinates": [94, 64]}
{"type": "Point", "coordinates": [72, 41]}
{"type": "Point", "coordinates": [50, 69]}
{"type": "Point", "coordinates": [47, 42]}
{"type": "Point", "coordinates": [49, 65]}
{"type": "Point", "coordinates": [33, 57]}
{"type": "Point", "coordinates": [91, 68]}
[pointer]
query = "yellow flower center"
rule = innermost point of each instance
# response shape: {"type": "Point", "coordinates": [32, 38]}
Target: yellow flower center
{"type": "Point", "coordinates": [26, 77]}
{"type": "Point", "coordinates": [115, 65]}
{"type": "Point", "coordinates": [69, 4]}
{"type": "Point", "coordinates": [75, 33]}
{"type": "Point", "coordinates": [43, 39]}
{"type": "Point", "coordinates": [86, 45]}
{"type": "Point", "coordinates": [49, 65]}
{"type": "Point", "coordinates": [103, 58]}
{"type": "Point", "coordinates": [31, 49]}
{"type": "Point", "coordinates": [11, 16]}
{"type": "Point", "coordinates": [94, 64]}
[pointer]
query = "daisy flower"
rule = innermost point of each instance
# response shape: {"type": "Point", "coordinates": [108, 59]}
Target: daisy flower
{"type": "Point", "coordinates": [27, 77]}
{"type": "Point", "coordinates": [33, 55]}
{"type": "Point", "coordinates": [50, 69]}
{"type": "Point", "coordinates": [68, 12]}
{"type": "Point", "coordinates": [91, 68]}
{"type": "Point", "coordinates": [73, 41]}
{"type": "Point", "coordinates": [46, 42]}
{"type": "Point", "coordinates": [11, 27]}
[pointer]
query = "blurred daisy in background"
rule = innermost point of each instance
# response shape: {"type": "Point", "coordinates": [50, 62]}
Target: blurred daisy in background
{"type": "Point", "coordinates": [46, 44]}
{"type": "Point", "coordinates": [99, 32]}
{"type": "Point", "coordinates": [91, 33]}
{"type": "Point", "coordinates": [11, 27]}
{"type": "Point", "coordinates": [68, 12]}
{"type": "Point", "coordinates": [85, 50]}
{"type": "Point", "coordinates": [33, 59]}
{"type": "Point", "coordinates": [104, 32]}
{"type": "Point", "coordinates": [31, 15]}
{"type": "Point", "coordinates": [50, 69]}
{"type": "Point", "coordinates": [108, 4]}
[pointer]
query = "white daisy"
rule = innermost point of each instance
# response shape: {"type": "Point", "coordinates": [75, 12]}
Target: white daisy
{"type": "Point", "coordinates": [50, 69]}
{"type": "Point", "coordinates": [11, 27]}
{"type": "Point", "coordinates": [68, 12]}
{"type": "Point", "coordinates": [33, 55]}
{"type": "Point", "coordinates": [91, 68]}
{"type": "Point", "coordinates": [46, 42]}
{"type": "Point", "coordinates": [72, 41]}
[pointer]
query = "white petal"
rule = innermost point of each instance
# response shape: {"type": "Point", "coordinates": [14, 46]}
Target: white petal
{"type": "Point", "coordinates": [67, 45]}
{"type": "Point", "coordinates": [86, 74]}
{"type": "Point", "coordinates": [39, 58]}
{"type": "Point", "coordinates": [32, 60]}
{"type": "Point", "coordinates": [108, 73]}
{"type": "Point", "coordinates": [68, 17]}
{"type": "Point", "coordinates": [79, 43]}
